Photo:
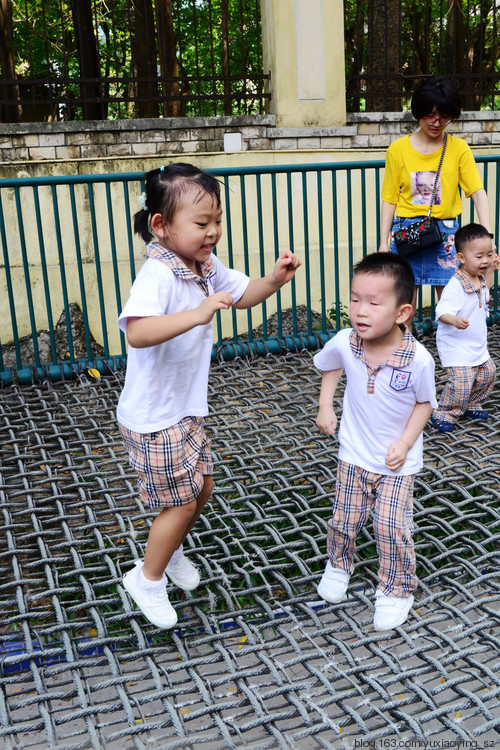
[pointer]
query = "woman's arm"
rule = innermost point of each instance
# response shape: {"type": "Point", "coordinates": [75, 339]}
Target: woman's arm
{"type": "Point", "coordinates": [490, 271]}
{"type": "Point", "coordinates": [482, 207]}
{"type": "Point", "coordinates": [483, 212]}
{"type": "Point", "coordinates": [386, 219]}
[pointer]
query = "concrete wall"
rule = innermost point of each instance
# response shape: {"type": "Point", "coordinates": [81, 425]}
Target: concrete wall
{"type": "Point", "coordinates": [92, 141]}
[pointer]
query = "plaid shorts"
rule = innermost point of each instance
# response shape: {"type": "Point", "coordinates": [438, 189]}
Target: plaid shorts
{"type": "Point", "coordinates": [391, 499]}
{"type": "Point", "coordinates": [171, 463]}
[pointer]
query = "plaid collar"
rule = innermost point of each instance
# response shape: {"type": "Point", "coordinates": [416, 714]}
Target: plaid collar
{"type": "Point", "coordinates": [157, 251]}
{"type": "Point", "coordinates": [469, 287]}
{"type": "Point", "coordinates": [402, 357]}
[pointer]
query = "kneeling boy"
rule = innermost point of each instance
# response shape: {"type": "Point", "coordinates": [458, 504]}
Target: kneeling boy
{"type": "Point", "coordinates": [389, 396]}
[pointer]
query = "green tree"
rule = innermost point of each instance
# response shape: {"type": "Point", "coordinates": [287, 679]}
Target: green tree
{"type": "Point", "coordinates": [9, 112]}
{"type": "Point", "coordinates": [86, 39]}
{"type": "Point", "coordinates": [391, 44]}
{"type": "Point", "coordinates": [384, 93]}
{"type": "Point", "coordinates": [88, 57]}
{"type": "Point", "coordinates": [173, 105]}
{"type": "Point", "coordinates": [128, 58]}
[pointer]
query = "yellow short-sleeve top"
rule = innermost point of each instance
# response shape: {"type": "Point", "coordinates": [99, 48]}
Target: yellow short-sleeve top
{"type": "Point", "coordinates": [409, 177]}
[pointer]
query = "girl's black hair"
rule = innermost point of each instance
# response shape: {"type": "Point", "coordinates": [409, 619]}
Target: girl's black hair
{"type": "Point", "coordinates": [438, 92]}
{"type": "Point", "coordinates": [164, 190]}
{"type": "Point", "coordinates": [392, 265]}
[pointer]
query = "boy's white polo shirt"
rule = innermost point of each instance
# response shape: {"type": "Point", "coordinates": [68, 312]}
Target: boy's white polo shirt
{"type": "Point", "coordinates": [467, 347]}
{"type": "Point", "coordinates": [168, 382]}
{"type": "Point", "coordinates": [378, 405]}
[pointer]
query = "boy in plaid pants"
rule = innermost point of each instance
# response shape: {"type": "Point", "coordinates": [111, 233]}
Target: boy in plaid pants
{"type": "Point", "coordinates": [461, 334]}
{"type": "Point", "coordinates": [388, 399]}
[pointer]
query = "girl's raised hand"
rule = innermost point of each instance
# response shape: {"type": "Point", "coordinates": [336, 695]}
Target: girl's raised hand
{"type": "Point", "coordinates": [285, 267]}
{"type": "Point", "coordinates": [210, 305]}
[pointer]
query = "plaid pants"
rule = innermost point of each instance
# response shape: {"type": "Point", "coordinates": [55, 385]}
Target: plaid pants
{"type": "Point", "coordinates": [465, 389]}
{"type": "Point", "coordinates": [391, 499]}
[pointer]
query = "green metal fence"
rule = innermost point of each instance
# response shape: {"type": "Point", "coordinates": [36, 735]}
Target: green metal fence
{"type": "Point", "coordinates": [69, 257]}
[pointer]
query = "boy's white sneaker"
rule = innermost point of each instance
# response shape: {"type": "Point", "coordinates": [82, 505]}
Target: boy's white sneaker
{"type": "Point", "coordinates": [153, 603]}
{"type": "Point", "coordinates": [333, 584]}
{"type": "Point", "coordinates": [183, 573]}
{"type": "Point", "coordinates": [391, 611]}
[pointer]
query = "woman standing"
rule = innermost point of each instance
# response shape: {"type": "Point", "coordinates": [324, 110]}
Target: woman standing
{"type": "Point", "coordinates": [411, 162]}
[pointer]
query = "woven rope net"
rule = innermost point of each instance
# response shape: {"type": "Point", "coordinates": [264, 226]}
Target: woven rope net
{"type": "Point", "coordinates": [257, 660]}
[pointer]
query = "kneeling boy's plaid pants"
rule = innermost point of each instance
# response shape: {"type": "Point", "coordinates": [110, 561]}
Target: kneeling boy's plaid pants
{"type": "Point", "coordinates": [391, 499]}
{"type": "Point", "coordinates": [465, 389]}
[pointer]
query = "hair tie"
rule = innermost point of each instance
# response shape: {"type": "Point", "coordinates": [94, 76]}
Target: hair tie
{"type": "Point", "coordinates": [162, 169]}
{"type": "Point", "coordinates": [142, 201]}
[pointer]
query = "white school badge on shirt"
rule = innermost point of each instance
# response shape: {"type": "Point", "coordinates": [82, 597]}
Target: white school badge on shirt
{"type": "Point", "coordinates": [400, 379]}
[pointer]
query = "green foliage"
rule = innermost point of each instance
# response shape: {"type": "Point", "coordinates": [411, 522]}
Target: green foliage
{"type": "Point", "coordinates": [343, 320]}
{"type": "Point", "coordinates": [202, 54]}
{"type": "Point", "coordinates": [45, 47]}
{"type": "Point", "coordinates": [457, 38]}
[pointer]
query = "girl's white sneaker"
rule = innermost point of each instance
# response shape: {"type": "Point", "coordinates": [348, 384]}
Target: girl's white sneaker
{"type": "Point", "coordinates": [183, 573]}
{"type": "Point", "coordinates": [153, 603]}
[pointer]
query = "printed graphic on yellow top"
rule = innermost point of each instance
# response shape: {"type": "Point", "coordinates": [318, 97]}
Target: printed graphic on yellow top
{"type": "Point", "coordinates": [422, 184]}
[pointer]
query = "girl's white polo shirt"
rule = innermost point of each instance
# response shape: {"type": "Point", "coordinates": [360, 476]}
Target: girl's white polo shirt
{"type": "Point", "coordinates": [376, 409]}
{"type": "Point", "coordinates": [467, 347]}
{"type": "Point", "coordinates": [168, 382]}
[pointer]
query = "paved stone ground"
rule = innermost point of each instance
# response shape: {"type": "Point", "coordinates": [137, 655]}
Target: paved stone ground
{"type": "Point", "coordinates": [257, 660]}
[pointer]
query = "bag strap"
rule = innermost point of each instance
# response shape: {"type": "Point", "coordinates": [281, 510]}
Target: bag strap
{"type": "Point", "coordinates": [434, 187]}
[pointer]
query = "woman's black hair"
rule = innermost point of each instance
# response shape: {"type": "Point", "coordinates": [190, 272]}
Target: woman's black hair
{"type": "Point", "coordinates": [436, 92]}
{"type": "Point", "coordinates": [164, 190]}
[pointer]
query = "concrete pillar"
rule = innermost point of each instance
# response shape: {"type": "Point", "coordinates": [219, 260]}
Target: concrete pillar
{"type": "Point", "coordinates": [303, 49]}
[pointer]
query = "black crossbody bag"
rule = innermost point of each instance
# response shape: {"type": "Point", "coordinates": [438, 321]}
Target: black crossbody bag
{"type": "Point", "coordinates": [424, 233]}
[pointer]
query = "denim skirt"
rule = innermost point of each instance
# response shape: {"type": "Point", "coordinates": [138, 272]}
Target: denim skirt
{"type": "Point", "coordinates": [435, 265]}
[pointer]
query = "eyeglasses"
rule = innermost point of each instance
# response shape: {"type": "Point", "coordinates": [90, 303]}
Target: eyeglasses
{"type": "Point", "coordinates": [433, 118]}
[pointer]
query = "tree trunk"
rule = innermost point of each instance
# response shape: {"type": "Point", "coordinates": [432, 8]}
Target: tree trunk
{"type": "Point", "coordinates": [456, 59]}
{"type": "Point", "coordinates": [384, 88]}
{"type": "Point", "coordinates": [10, 110]}
{"type": "Point", "coordinates": [421, 24]}
{"type": "Point", "coordinates": [484, 60]}
{"type": "Point", "coordinates": [143, 48]}
{"type": "Point", "coordinates": [466, 52]}
{"type": "Point", "coordinates": [91, 90]}
{"type": "Point", "coordinates": [172, 107]}
{"type": "Point", "coordinates": [225, 57]}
